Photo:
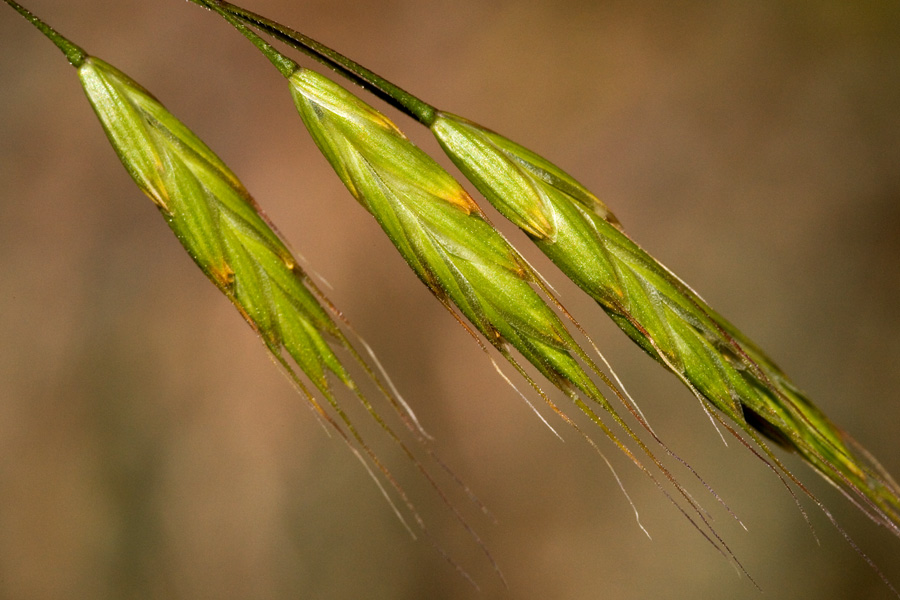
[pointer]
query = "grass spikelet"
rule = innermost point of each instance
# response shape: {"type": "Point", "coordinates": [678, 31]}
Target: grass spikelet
{"type": "Point", "coordinates": [658, 311]}
{"type": "Point", "coordinates": [217, 222]}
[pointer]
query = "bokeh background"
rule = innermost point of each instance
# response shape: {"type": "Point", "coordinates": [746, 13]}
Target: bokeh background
{"type": "Point", "coordinates": [150, 449]}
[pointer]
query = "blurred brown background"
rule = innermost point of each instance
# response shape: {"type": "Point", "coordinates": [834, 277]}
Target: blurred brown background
{"type": "Point", "coordinates": [151, 450]}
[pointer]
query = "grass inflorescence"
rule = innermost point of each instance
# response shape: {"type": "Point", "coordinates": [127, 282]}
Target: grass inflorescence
{"type": "Point", "coordinates": [740, 387]}
{"type": "Point", "coordinates": [452, 247]}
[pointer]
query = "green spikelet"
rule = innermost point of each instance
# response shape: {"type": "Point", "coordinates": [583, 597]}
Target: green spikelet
{"type": "Point", "coordinates": [658, 311]}
{"type": "Point", "coordinates": [216, 221]}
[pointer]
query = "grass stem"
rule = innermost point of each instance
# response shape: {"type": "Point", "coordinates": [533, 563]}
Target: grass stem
{"type": "Point", "coordinates": [355, 72]}
{"type": "Point", "coordinates": [285, 65]}
{"type": "Point", "coordinates": [75, 54]}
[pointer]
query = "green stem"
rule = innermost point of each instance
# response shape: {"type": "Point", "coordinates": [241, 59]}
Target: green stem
{"type": "Point", "coordinates": [75, 54]}
{"type": "Point", "coordinates": [384, 89]}
{"type": "Point", "coordinates": [285, 65]}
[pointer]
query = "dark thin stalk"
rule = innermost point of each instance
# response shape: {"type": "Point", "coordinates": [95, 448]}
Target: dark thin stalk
{"type": "Point", "coordinates": [375, 84]}
{"type": "Point", "coordinates": [75, 54]}
{"type": "Point", "coordinates": [285, 65]}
